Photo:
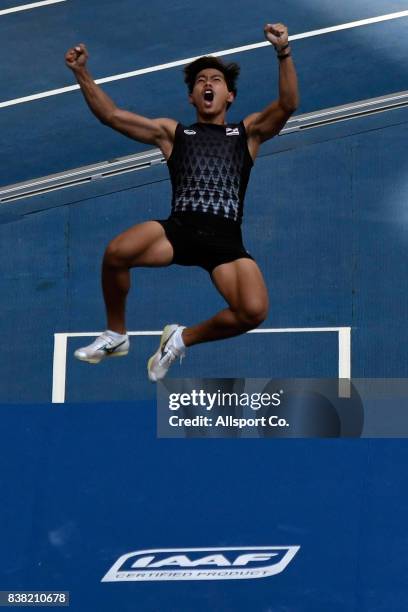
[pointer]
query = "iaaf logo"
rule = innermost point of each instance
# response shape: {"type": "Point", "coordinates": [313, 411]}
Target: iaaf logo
{"type": "Point", "coordinates": [201, 563]}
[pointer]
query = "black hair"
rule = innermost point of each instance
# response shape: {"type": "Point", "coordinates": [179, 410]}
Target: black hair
{"type": "Point", "coordinates": [230, 72]}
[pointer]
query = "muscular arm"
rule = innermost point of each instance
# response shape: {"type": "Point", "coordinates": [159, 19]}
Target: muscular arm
{"type": "Point", "coordinates": [269, 122]}
{"type": "Point", "coordinates": [157, 132]}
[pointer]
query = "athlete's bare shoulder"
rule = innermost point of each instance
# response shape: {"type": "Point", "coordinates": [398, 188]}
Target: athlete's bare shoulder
{"type": "Point", "coordinates": [168, 125]}
{"type": "Point", "coordinates": [159, 132]}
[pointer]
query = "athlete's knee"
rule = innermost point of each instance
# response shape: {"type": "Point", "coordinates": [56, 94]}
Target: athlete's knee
{"type": "Point", "coordinates": [114, 255]}
{"type": "Point", "coordinates": [253, 314]}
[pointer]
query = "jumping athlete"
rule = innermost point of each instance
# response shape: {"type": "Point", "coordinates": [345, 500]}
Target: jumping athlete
{"type": "Point", "coordinates": [209, 164]}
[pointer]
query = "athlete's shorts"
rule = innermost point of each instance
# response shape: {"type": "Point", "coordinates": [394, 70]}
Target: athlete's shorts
{"type": "Point", "coordinates": [204, 240]}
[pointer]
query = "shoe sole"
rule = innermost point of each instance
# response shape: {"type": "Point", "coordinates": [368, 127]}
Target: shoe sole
{"type": "Point", "coordinates": [164, 337]}
{"type": "Point", "coordinates": [151, 377]}
{"type": "Point", "coordinates": [96, 360]}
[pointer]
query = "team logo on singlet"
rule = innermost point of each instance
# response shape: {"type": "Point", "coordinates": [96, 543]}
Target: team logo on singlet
{"type": "Point", "coordinates": [190, 132]}
{"type": "Point", "coordinates": [232, 131]}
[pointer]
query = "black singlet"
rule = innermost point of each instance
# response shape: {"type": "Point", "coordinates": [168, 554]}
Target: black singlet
{"type": "Point", "coordinates": [209, 170]}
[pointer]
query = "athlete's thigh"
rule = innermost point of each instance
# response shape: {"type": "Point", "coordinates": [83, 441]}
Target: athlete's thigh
{"type": "Point", "coordinates": [144, 244]}
{"type": "Point", "coordinates": [241, 283]}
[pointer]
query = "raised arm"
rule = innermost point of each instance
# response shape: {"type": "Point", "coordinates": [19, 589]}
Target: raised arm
{"type": "Point", "coordinates": [157, 132]}
{"type": "Point", "coordinates": [266, 124]}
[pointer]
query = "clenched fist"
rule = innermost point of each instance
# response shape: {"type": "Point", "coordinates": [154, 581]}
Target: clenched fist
{"type": "Point", "coordinates": [76, 57]}
{"type": "Point", "coordinates": [277, 34]}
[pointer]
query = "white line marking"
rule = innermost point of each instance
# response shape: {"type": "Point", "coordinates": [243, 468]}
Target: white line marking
{"type": "Point", "coordinates": [345, 352]}
{"type": "Point", "coordinates": [262, 330]}
{"type": "Point", "coordinates": [60, 354]}
{"type": "Point", "coordinates": [26, 7]}
{"type": "Point", "coordinates": [59, 368]}
{"type": "Point", "coordinates": [344, 362]}
{"type": "Point", "coordinates": [134, 73]}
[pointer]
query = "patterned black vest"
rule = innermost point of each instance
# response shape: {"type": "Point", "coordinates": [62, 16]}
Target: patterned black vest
{"type": "Point", "coordinates": [209, 169]}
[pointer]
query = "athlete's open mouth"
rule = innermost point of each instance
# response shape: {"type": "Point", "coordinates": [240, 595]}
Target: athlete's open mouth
{"type": "Point", "coordinates": [208, 95]}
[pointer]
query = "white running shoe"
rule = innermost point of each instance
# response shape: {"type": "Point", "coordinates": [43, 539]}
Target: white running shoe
{"type": "Point", "coordinates": [159, 364]}
{"type": "Point", "coordinates": [104, 346]}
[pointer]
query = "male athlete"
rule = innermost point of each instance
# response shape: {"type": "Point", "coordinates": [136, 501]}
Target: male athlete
{"type": "Point", "coordinates": [209, 164]}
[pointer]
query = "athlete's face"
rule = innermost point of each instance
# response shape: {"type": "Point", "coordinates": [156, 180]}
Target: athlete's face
{"type": "Point", "coordinates": [210, 94]}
